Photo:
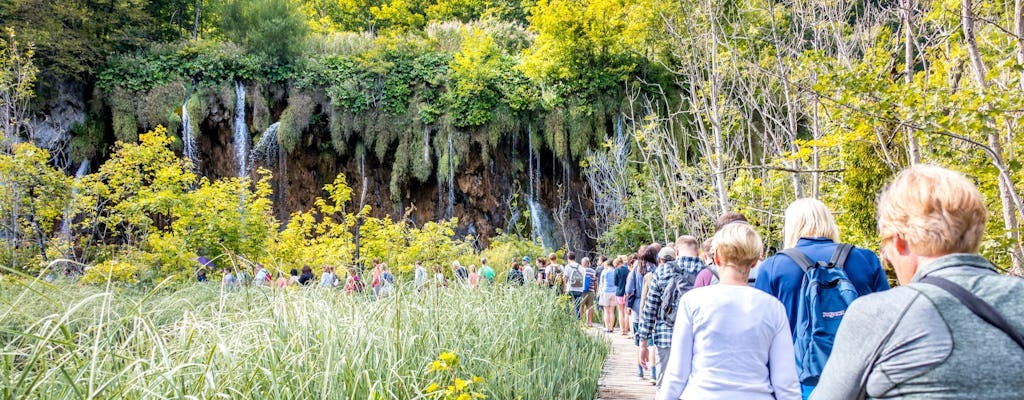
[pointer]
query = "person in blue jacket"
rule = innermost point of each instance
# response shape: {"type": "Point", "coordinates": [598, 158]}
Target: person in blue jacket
{"type": "Point", "coordinates": [810, 228]}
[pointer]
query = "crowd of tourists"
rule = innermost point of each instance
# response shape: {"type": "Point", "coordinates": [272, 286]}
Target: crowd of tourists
{"type": "Point", "coordinates": [818, 319]}
{"type": "Point", "coordinates": [721, 319]}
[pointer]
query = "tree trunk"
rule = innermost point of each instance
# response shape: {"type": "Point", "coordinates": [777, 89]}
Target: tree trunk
{"type": "Point", "coordinates": [913, 148]}
{"type": "Point", "coordinates": [1008, 196]}
{"type": "Point", "coordinates": [195, 25]}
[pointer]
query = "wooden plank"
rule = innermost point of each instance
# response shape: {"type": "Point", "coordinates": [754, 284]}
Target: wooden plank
{"type": "Point", "coordinates": [619, 380]}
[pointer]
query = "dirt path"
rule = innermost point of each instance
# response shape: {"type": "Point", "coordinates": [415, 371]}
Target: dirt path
{"type": "Point", "coordinates": [618, 377]}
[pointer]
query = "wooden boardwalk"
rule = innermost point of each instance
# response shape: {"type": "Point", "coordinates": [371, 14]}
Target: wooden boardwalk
{"type": "Point", "coordinates": [618, 376]}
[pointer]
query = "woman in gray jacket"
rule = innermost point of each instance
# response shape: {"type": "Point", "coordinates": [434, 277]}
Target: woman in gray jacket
{"type": "Point", "coordinates": [919, 341]}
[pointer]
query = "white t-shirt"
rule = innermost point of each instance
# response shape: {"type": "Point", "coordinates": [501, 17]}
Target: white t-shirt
{"type": "Point", "coordinates": [570, 271]}
{"type": "Point", "coordinates": [730, 342]}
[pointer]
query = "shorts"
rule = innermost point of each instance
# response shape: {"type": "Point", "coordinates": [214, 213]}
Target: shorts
{"type": "Point", "coordinates": [588, 299]}
{"type": "Point", "coordinates": [620, 300]}
{"type": "Point", "coordinates": [607, 299]}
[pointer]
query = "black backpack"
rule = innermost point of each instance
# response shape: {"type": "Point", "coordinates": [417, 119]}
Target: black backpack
{"type": "Point", "coordinates": [678, 284]}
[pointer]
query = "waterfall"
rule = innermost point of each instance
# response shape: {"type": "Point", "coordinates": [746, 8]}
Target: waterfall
{"type": "Point", "coordinates": [536, 225]}
{"type": "Point", "coordinates": [265, 150]}
{"type": "Point", "coordinates": [451, 178]}
{"type": "Point", "coordinates": [191, 150]}
{"type": "Point", "coordinates": [65, 226]}
{"type": "Point", "coordinates": [529, 149]}
{"type": "Point", "coordinates": [241, 137]}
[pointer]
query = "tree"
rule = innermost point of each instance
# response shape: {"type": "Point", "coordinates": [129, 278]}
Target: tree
{"type": "Point", "coordinates": [17, 78]}
{"type": "Point", "coordinates": [274, 28]}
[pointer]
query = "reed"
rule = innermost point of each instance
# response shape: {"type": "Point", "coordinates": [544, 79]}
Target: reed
{"type": "Point", "coordinates": [199, 341]}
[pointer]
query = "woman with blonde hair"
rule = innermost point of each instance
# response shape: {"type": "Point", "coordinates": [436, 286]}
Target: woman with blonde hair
{"type": "Point", "coordinates": [811, 230]}
{"type": "Point", "coordinates": [926, 339]}
{"type": "Point", "coordinates": [731, 341]}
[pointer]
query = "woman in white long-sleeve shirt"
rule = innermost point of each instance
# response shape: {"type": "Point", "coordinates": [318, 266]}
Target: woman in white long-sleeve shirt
{"type": "Point", "coordinates": [731, 341]}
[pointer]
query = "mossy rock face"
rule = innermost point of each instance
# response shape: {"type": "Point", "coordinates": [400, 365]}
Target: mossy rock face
{"type": "Point", "coordinates": [295, 120]}
{"type": "Point", "coordinates": [160, 105]}
{"type": "Point", "coordinates": [260, 109]}
{"type": "Point", "coordinates": [122, 115]}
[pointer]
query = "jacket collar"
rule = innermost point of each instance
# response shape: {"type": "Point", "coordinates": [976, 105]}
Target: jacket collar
{"type": "Point", "coordinates": [955, 260]}
{"type": "Point", "coordinates": [807, 241]}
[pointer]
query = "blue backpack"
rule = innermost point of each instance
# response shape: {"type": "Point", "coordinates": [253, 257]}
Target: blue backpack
{"type": "Point", "coordinates": [826, 292]}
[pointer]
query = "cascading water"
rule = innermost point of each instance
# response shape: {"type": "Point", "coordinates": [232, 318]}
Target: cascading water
{"type": "Point", "coordinates": [265, 153]}
{"type": "Point", "coordinates": [541, 223]}
{"type": "Point", "coordinates": [65, 226]}
{"type": "Point", "coordinates": [266, 149]}
{"type": "Point", "coordinates": [190, 149]}
{"type": "Point", "coordinates": [241, 134]}
{"type": "Point", "coordinates": [451, 179]}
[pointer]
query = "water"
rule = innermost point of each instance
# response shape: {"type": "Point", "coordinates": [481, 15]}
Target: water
{"type": "Point", "coordinates": [266, 150]}
{"type": "Point", "coordinates": [266, 153]}
{"type": "Point", "coordinates": [191, 150]}
{"type": "Point", "coordinates": [451, 178]}
{"type": "Point", "coordinates": [241, 131]}
{"type": "Point", "coordinates": [543, 226]}
{"type": "Point", "coordinates": [65, 226]}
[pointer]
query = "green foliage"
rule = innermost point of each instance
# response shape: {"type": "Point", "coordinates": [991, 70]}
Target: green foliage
{"type": "Point", "coordinates": [273, 28]}
{"type": "Point", "coordinates": [17, 81]}
{"type": "Point", "coordinates": [75, 36]}
{"type": "Point", "coordinates": [401, 245]}
{"type": "Point", "coordinates": [319, 236]}
{"type": "Point", "coordinates": [87, 139]}
{"type": "Point", "coordinates": [122, 114]}
{"type": "Point", "coordinates": [294, 120]}
{"type": "Point", "coordinates": [624, 237]}
{"type": "Point", "coordinates": [34, 198]}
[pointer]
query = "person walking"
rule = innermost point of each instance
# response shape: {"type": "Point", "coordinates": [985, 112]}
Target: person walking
{"type": "Point", "coordinates": [671, 281]}
{"type": "Point", "coordinates": [328, 279]}
{"type": "Point", "coordinates": [474, 278]}
{"type": "Point", "coordinates": [529, 274]}
{"type": "Point", "coordinates": [575, 281]}
{"type": "Point", "coordinates": [459, 272]}
{"type": "Point", "coordinates": [307, 276]}
{"type": "Point", "coordinates": [420, 279]}
{"type": "Point", "coordinates": [228, 280]}
{"type": "Point", "coordinates": [621, 275]}
{"type": "Point", "coordinates": [486, 272]}
{"type": "Point", "coordinates": [607, 296]}
{"type": "Point", "coordinates": [515, 276]}
{"type": "Point", "coordinates": [634, 316]}
{"type": "Point", "coordinates": [589, 291]}
{"type": "Point", "coordinates": [810, 231]}
{"type": "Point", "coordinates": [927, 339]}
{"type": "Point", "coordinates": [731, 341]}
{"type": "Point", "coordinates": [375, 282]}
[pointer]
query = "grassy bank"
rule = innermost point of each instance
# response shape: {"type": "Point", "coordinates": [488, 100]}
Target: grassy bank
{"type": "Point", "coordinates": [195, 340]}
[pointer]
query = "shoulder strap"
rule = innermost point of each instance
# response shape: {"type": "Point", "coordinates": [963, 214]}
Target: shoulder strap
{"type": "Point", "coordinates": [977, 306]}
{"type": "Point", "coordinates": [840, 255]}
{"type": "Point", "coordinates": [798, 257]}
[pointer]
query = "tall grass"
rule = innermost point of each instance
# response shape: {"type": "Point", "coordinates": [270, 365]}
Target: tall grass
{"type": "Point", "coordinates": [199, 341]}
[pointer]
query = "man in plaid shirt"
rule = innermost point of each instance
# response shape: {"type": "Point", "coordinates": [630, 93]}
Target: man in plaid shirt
{"type": "Point", "coordinates": [687, 266]}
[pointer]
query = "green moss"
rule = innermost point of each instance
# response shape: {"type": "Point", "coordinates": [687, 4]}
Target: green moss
{"type": "Point", "coordinates": [86, 139]}
{"type": "Point", "coordinates": [260, 109]}
{"type": "Point", "coordinates": [160, 105]}
{"type": "Point", "coordinates": [399, 170]}
{"type": "Point", "coordinates": [295, 120]}
{"type": "Point", "coordinates": [336, 125]}
{"type": "Point", "coordinates": [197, 112]}
{"type": "Point", "coordinates": [122, 116]}
{"type": "Point", "coordinates": [419, 154]}
{"type": "Point", "coordinates": [555, 133]}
